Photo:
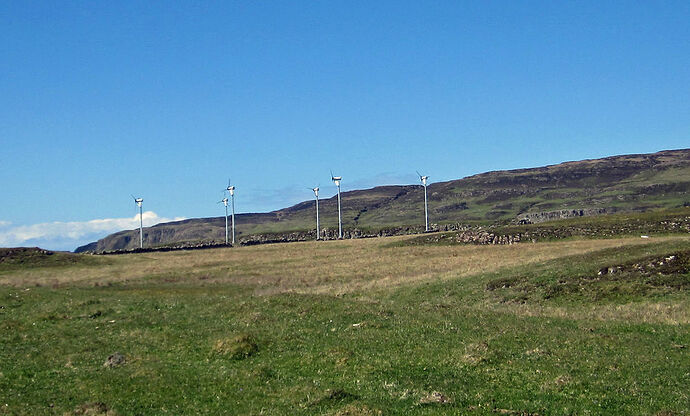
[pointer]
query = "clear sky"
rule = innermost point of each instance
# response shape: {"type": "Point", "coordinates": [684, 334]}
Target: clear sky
{"type": "Point", "coordinates": [166, 100]}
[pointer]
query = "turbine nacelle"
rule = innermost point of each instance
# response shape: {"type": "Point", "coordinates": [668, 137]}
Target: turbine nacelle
{"type": "Point", "coordinates": [138, 201]}
{"type": "Point", "coordinates": [224, 201]}
{"type": "Point", "coordinates": [336, 179]}
{"type": "Point", "coordinates": [316, 191]}
{"type": "Point", "coordinates": [422, 178]}
{"type": "Point", "coordinates": [230, 188]}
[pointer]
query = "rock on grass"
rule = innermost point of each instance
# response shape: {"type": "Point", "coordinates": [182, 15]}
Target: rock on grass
{"type": "Point", "coordinates": [114, 360]}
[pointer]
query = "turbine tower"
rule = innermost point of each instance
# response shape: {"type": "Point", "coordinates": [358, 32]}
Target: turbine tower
{"type": "Point", "coordinates": [225, 202]}
{"type": "Point", "coordinates": [316, 194]}
{"type": "Point", "coordinates": [231, 191]}
{"type": "Point", "coordinates": [139, 202]}
{"type": "Point", "coordinates": [426, 209]}
{"type": "Point", "coordinates": [336, 180]}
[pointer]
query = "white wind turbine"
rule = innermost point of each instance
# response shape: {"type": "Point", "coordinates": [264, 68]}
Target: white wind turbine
{"type": "Point", "coordinates": [336, 180]}
{"type": "Point", "coordinates": [139, 202]}
{"type": "Point", "coordinates": [231, 191]}
{"type": "Point", "coordinates": [225, 202]}
{"type": "Point", "coordinates": [424, 179]}
{"type": "Point", "coordinates": [316, 195]}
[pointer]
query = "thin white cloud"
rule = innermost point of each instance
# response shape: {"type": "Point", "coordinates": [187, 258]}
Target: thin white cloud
{"type": "Point", "coordinates": [67, 235]}
{"type": "Point", "coordinates": [274, 199]}
{"type": "Point", "coordinates": [385, 178]}
{"type": "Point", "coordinates": [5, 223]}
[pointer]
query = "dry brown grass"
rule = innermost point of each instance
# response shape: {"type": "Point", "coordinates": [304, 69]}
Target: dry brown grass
{"type": "Point", "coordinates": [670, 313]}
{"type": "Point", "coordinates": [332, 267]}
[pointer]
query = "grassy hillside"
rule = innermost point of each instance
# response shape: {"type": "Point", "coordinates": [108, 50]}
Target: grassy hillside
{"type": "Point", "coordinates": [620, 183]}
{"type": "Point", "coordinates": [29, 258]}
{"type": "Point", "coordinates": [355, 327]}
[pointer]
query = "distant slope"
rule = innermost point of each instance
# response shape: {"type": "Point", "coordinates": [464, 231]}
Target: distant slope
{"type": "Point", "coordinates": [618, 183]}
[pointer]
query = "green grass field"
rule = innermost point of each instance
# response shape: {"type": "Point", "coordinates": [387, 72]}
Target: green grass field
{"type": "Point", "coordinates": [362, 327]}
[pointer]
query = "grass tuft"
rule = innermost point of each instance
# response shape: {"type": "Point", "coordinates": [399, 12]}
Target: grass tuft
{"type": "Point", "coordinates": [354, 409]}
{"type": "Point", "coordinates": [334, 396]}
{"type": "Point", "coordinates": [237, 348]}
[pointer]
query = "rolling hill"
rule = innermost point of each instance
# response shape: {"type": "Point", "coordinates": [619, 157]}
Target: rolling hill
{"type": "Point", "coordinates": [625, 183]}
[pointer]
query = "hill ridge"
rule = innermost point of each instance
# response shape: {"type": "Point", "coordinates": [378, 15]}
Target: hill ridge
{"type": "Point", "coordinates": [633, 182]}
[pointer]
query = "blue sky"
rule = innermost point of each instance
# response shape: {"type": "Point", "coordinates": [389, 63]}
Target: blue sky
{"type": "Point", "coordinates": [100, 100]}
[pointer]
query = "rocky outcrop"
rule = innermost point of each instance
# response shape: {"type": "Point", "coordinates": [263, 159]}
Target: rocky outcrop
{"type": "Point", "coordinates": [672, 223]}
{"type": "Point", "coordinates": [17, 254]}
{"type": "Point", "coordinates": [537, 217]}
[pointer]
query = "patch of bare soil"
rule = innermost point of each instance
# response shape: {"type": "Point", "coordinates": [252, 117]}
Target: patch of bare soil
{"type": "Point", "coordinates": [92, 409]}
{"type": "Point", "coordinates": [434, 397]}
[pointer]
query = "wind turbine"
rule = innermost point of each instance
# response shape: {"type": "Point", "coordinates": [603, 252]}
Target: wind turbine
{"type": "Point", "coordinates": [316, 194]}
{"type": "Point", "coordinates": [225, 202]}
{"type": "Point", "coordinates": [336, 180]}
{"type": "Point", "coordinates": [139, 202]}
{"type": "Point", "coordinates": [231, 191]}
{"type": "Point", "coordinates": [426, 209]}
